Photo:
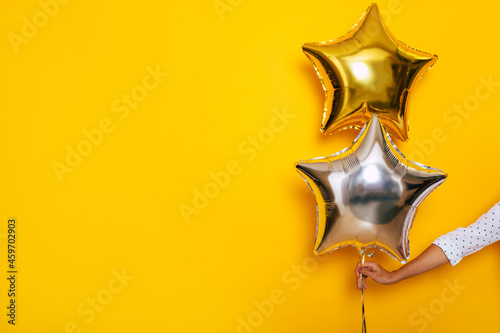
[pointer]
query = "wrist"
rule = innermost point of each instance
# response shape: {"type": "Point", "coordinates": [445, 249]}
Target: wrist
{"type": "Point", "coordinates": [394, 277]}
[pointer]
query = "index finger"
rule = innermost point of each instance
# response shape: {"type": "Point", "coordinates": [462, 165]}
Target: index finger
{"type": "Point", "coordinates": [356, 270]}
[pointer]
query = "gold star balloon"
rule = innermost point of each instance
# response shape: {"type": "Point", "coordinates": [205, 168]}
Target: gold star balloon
{"type": "Point", "coordinates": [367, 71]}
{"type": "Point", "coordinates": [367, 195]}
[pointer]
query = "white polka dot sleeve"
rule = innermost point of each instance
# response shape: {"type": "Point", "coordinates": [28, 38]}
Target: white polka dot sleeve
{"type": "Point", "coordinates": [464, 241]}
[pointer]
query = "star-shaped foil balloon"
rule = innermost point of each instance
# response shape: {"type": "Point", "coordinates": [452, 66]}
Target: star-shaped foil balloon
{"type": "Point", "coordinates": [367, 71]}
{"type": "Point", "coordinates": [367, 195]}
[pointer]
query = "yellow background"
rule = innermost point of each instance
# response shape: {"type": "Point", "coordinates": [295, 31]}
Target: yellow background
{"type": "Point", "coordinates": [229, 72]}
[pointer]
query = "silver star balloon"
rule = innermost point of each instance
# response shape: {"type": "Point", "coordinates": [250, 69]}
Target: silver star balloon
{"type": "Point", "coordinates": [367, 195]}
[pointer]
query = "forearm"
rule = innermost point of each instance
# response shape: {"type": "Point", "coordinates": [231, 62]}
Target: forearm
{"type": "Point", "coordinates": [431, 258]}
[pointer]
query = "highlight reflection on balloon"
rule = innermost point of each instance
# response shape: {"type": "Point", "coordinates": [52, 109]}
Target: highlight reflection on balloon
{"type": "Point", "coordinates": [367, 71]}
{"type": "Point", "coordinates": [367, 195]}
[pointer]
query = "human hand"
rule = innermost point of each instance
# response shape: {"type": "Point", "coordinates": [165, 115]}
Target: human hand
{"type": "Point", "coordinates": [374, 271]}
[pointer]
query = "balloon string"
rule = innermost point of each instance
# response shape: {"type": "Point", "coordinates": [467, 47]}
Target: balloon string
{"type": "Point", "coordinates": [363, 321]}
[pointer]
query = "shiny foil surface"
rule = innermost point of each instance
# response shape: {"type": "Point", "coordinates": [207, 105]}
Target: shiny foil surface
{"type": "Point", "coordinates": [367, 71]}
{"type": "Point", "coordinates": [368, 194]}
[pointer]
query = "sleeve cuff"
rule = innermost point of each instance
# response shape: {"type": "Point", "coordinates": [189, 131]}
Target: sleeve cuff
{"type": "Point", "coordinates": [449, 248]}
